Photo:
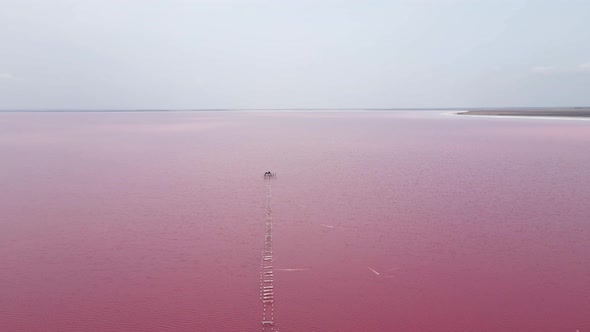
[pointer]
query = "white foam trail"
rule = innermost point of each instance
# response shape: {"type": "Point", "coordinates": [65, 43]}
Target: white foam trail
{"type": "Point", "coordinates": [377, 273]}
{"type": "Point", "coordinates": [292, 270]}
{"type": "Point", "coordinates": [327, 226]}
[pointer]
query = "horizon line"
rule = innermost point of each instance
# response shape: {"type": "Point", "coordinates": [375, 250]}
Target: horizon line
{"type": "Point", "coordinates": [299, 109]}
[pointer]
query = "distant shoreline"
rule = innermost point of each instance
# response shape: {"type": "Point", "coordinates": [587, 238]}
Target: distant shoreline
{"type": "Point", "coordinates": [562, 113]}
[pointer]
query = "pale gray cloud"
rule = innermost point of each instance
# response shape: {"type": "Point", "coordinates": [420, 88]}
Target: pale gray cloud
{"type": "Point", "coordinates": [7, 76]}
{"type": "Point", "coordinates": [583, 68]}
{"type": "Point", "coordinates": [548, 70]}
{"type": "Point", "coordinates": [179, 54]}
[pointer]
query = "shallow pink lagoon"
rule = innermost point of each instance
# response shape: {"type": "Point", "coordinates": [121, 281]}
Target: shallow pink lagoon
{"type": "Point", "coordinates": [393, 221]}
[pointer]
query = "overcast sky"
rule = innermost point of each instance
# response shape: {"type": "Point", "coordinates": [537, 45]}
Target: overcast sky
{"type": "Point", "coordinates": [136, 54]}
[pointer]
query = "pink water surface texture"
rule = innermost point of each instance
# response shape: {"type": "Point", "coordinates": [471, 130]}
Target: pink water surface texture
{"type": "Point", "coordinates": [382, 221]}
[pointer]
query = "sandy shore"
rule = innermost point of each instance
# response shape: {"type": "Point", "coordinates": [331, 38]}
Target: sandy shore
{"type": "Point", "coordinates": [557, 112]}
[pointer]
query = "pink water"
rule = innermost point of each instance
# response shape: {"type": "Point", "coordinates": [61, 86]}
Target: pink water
{"type": "Point", "coordinates": [155, 222]}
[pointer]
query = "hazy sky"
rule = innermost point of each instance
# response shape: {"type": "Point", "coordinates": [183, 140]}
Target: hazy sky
{"type": "Point", "coordinates": [84, 54]}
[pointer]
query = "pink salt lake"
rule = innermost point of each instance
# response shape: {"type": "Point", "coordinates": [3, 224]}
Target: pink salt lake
{"type": "Point", "coordinates": [383, 221]}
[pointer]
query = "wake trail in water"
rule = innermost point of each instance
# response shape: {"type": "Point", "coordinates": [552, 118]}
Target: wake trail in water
{"type": "Point", "coordinates": [266, 269]}
{"type": "Point", "coordinates": [377, 273]}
